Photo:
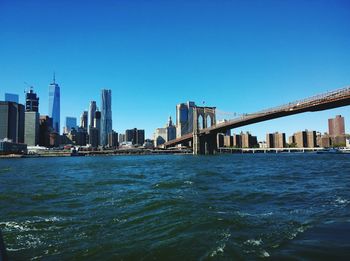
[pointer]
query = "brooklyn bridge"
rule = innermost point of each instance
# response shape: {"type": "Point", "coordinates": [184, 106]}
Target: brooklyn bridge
{"type": "Point", "coordinates": [203, 138]}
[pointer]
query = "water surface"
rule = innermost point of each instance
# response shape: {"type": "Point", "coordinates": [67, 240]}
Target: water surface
{"type": "Point", "coordinates": [177, 207]}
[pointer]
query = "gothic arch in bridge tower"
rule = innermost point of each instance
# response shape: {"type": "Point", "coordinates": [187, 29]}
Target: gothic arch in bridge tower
{"type": "Point", "coordinates": [204, 117]}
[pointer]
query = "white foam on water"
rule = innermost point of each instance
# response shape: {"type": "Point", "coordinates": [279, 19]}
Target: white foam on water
{"type": "Point", "coordinates": [218, 250]}
{"type": "Point", "coordinates": [254, 242]}
{"type": "Point", "coordinates": [11, 225]}
{"type": "Point", "coordinates": [244, 214]}
{"type": "Point", "coordinates": [342, 201]}
{"type": "Point", "coordinates": [188, 182]}
{"type": "Point", "coordinates": [264, 253]}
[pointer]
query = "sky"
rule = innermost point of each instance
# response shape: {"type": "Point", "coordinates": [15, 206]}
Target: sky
{"type": "Point", "coordinates": [240, 56]}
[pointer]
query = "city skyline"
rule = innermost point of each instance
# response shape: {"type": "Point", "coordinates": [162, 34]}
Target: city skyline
{"type": "Point", "coordinates": [188, 53]}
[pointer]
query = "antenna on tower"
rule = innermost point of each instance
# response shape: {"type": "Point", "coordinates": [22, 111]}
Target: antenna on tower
{"type": "Point", "coordinates": [54, 77]}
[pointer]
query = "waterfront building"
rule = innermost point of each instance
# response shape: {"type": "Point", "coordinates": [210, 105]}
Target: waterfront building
{"type": "Point", "coordinates": [94, 137]}
{"type": "Point", "coordinates": [106, 115]}
{"type": "Point", "coordinates": [92, 112]}
{"type": "Point", "coordinates": [84, 120]}
{"type": "Point", "coordinates": [135, 136]}
{"type": "Point", "coordinates": [276, 140]}
{"type": "Point", "coordinates": [113, 139]}
{"type": "Point", "coordinates": [31, 128]}
{"type": "Point", "coordinates": [12, 121]}
{"type": "Point", "coordinates": [184, 118]}
{"type": "Point", "coordinates": [165, 134]}
{"type": "Point", "coordinates": [45, 128]}
{"type": "Point", "coordinates": [336, 126]}
{"type": "Point", "coordinates": [224, 140]}
{"type": "Point", "coordinates": [10, 97]}
{"type": "Point", "coordinates": [248, 141]}
{"type": "Point", "coordinates": [324, 141]}
{"type": "Point", "coordinates": [237, 141]}
{"type": "Point", "coordinates": [32, 101]}
{"type": "Point", "coordinates": [54, 104]}
{"type": "Point", "coordinates": [9, 147]}
{"type": "Point", "coordinates": [121, 138]}
{"type": "Point", "coordinates": [71, 122]}
{"type": "Point", "coordinates": [303, 139]}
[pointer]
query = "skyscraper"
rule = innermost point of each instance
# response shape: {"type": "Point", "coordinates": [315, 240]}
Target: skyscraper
{"type": "Point", "coordinates": [32, 101]}
{"type": "Point", "coordinates": [54, 104]}
{"type": "Point", "coordinates": [31, 128]}
{"type": "Point", "coordinates": [106, 115]}
{"type": "Point", "coordinates": [71, 122]}
{"type": "Point", "coordinates": [11, 97]}
{"type": "Point", "coordinates": [84, 120]}
{"type": "Point", "coordinates": [92, 110]}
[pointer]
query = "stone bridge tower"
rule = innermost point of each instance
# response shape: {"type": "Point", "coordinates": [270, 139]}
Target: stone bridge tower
{"type": "Point", "coordinates": [203, 118]}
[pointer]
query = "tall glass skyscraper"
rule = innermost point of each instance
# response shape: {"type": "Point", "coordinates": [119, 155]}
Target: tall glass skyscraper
{"type": "Point", "coordinates": [92, 110]}
{"type": "Point", "coordinates": [106, 115]}
{"type": "Point", "coordinates": [54, 104]}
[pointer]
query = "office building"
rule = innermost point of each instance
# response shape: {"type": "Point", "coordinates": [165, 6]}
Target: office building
{"type": "Point", "coordinates": [94, 137]}
{"type": "Point", "coordinates": [31, 128]}
{"type": "Point", "coordinates": [32, 101]}
{"type": "Point", "coordinates": [276, 140]}
{"type": "Point", "coordinates": [84, 120]}
{"type": "Point", "coordinates": [54, 105]}
{"type": "Point", "coordinates": [165, 134]}
{"type": "Point", "coordinates": [92, 111]}
{"type": "Point", "coordinates": [106, 115]}
{"type": "Point", "coordinates": [10, 97]}
{"type": "Point", "coordinates": [135, 136]}
{"type": "Point", "coordinates": [71, 122]}
{"type": "Point", "coordinates": [184, 118]}
{"type": "Point", "coordinates": [45, 129]}
{"type": "Point", "coordinates": [336, 126]}
{"type": "Point", "coordinates": [12, 121]}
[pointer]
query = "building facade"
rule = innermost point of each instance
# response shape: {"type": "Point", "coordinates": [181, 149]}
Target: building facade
{"type": "Point", "coordinates": [165, 134]}
{"type": "Point", "coordinates": [32, 101]}
{"type": "Point", "coordinates": [54, 105]}
{"type": "Point", "coordinates": [276, 140]}
{"type": "Point", "coordinates": [84, 120]}
{"type": "Point", "coordinates": [184, 118]}
{"type": "Point", "coordinates": [106, 115]}
{"type": "Point", "coordinates": [12, 121]}
{"type": "Point", "coordinates": [336, 126]}
{"type": "Point", "coordinates": [71, 122]}
{"type": "Point", "coordinates": [92, 111]}
{"type": "Point", "coordinates": [113, 139]}
{"type": "Point", "coordinates": [31, 128]}
{"type": "Point", "coordinates": [135, 136]}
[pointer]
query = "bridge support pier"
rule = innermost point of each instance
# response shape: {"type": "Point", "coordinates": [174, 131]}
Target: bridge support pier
{"type": "Point", "coordinates": [204, 144]}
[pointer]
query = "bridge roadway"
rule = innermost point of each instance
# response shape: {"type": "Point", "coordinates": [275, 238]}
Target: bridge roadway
{"type": "Point", "coordinates": [329, 100]}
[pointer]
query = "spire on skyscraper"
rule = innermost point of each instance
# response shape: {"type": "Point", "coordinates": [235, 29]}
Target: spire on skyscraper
{"type": "Point", "coordinates": [54, 77]}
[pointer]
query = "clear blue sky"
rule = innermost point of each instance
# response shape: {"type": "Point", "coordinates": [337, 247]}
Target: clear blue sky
{"type": "Point", "coordinates": [240, 56]}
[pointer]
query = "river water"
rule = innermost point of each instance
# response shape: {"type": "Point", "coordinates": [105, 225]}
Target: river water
{"type": "Point", "coordinates": [177, 207]}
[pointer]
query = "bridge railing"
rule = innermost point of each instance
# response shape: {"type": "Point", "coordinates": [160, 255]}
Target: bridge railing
{"type": "Point", "coordinates": [293, 105]}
